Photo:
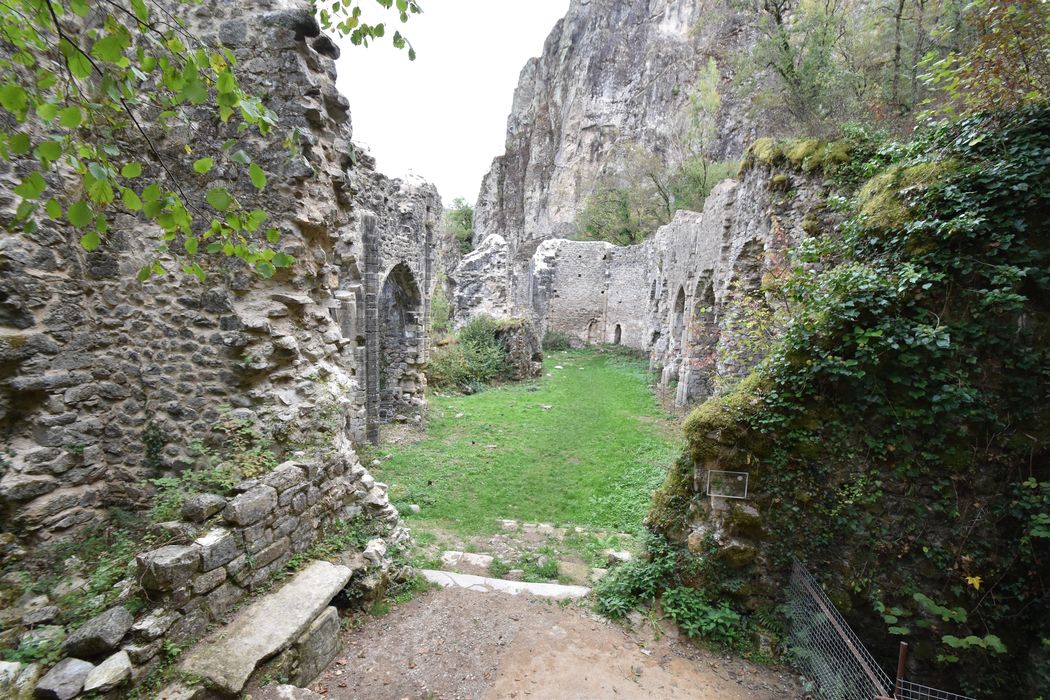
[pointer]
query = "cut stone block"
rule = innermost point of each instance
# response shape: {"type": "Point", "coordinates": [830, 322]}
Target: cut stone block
{"type": "Point", "coordinates": [99, 635]}
{"type": "Point", "coordinates": [482, 584]}
{"type": "Point", "coordinates": [218, 547]}
{"type": "Point", "coordinates": [109, 674]}
{"type": "Point", "coordinates": [64, 681]}
{"type": "Point", "coordinates": [199, 508]}
{"type": "Point", "coordinates": [251, 506]}
{"type": "Point", "coordinates": [227, 658]}
{"type": "Point", "coordinates": [318, 645]}
{"type": "Point", "coordinates": [167, 568]}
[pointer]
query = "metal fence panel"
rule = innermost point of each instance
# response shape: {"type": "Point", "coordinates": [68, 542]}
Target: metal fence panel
{"type": "Point", "coordinates": [826, 649]}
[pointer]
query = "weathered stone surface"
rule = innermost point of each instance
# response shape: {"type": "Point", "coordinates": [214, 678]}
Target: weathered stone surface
{"type": "Point", "coordinates": [64, 681]}
{"type": "Point", "coordinates": [39, 616]}
{"type": "Point", "coordinates": [199, 508]}
{"type": "Point", "coordinates": [227, 658]}
{"type": "Point", "coordinates": [286, 692]}
{"type": "Point", "coordinates": [251, 506]}
{"type": "Point", "coordinates": [168, 567]}
{"type": "Point", "coordinates": [109, 674]}
{"type": "Point", "coordinates": [99, 635]}
{"type": "Point", "coordinates": [17, 680]}
{"type": "Point", "coordinates": [217, 547]}
{"type": "Point", "coordinates": [154, 624]}
{"type": "Point", "coordinates": [318, 645]}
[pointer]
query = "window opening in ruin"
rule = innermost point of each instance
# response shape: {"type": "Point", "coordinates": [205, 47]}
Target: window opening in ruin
{"type": "Point", "coordinates": [592, 331]}
{"type": "Point", "coordinates": [678, 317]}
{"type": "Point", "coordinates": [400, 335]}
{"type": "Point", "coordinates": [617, 334]}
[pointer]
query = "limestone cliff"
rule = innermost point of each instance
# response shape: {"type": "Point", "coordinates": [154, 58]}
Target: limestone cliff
{"type": "Point", "coordinates": [612, 73]}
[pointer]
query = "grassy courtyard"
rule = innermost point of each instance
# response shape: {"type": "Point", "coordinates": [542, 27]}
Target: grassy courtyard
{"type": "Point", "coordinates": [585, 444]}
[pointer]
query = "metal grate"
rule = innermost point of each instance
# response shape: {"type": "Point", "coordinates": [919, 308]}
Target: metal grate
{"type": "Point", "coordinates": [906, 690]}
{"type": "Point", "coordinates": [824, 647]}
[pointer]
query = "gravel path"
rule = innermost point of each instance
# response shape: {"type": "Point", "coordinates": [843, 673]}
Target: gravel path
{"type": "Point", "coordinates": [459, 644]}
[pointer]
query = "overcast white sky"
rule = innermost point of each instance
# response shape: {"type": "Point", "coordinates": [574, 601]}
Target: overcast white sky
{"type": "Point", "coordinates": [444, 116]}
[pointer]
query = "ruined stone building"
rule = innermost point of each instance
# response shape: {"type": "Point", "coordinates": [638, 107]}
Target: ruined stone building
{"type": "Point", "coordinates": [614, 76]}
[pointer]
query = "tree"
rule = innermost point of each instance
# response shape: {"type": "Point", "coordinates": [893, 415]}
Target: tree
{"type": "Point", "coordinates": [80, 76]}
{"type": "Point", "coordinates": [1007, 63]}
{"type": "Point", "coordinates": [459, 219]}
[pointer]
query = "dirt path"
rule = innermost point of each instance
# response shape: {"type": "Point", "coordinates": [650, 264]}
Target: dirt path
{"type": "Point", "coordinates": [458, 644]}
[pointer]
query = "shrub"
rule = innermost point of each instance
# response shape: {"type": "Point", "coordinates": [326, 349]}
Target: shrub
{"type": "Point", "coordinates": [475, 359]}
{"type": "Point", "coordinates": [553, 340]}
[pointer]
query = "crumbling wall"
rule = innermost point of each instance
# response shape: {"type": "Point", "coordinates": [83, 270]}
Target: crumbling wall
{"type": "Point", "coordinates": [671, 295]}
{"type": "Point", "coordinates": [107, 381]}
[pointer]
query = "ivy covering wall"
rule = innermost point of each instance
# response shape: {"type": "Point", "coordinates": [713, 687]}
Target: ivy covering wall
{"type": "Point", "coordinates": [897, 434]}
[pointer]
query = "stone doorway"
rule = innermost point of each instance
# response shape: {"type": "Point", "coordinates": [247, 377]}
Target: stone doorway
{"type": "Point", "coordinates": [401, 338]}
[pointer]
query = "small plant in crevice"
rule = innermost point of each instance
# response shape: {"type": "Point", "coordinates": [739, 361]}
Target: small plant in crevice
{"type": "Point", "coordinates": [242, 454]}
{"type": "Point", "coordinates": [154, 440]}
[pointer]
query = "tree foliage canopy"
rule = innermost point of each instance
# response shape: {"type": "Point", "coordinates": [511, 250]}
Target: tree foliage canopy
{"type": "Point", "coordinates": [86, 86]}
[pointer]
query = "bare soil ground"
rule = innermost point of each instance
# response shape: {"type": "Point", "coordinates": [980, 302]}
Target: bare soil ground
{"type": "Point", "coordinates": [459, 644]}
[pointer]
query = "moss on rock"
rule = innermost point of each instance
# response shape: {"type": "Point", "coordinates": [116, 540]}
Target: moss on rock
{"type": "Point", "coordinates": [883, 201]}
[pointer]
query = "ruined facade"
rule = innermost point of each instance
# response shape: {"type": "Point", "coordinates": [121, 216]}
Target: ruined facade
{"type": "Point", "coordinates": [107, 382]}
{"type": "Point", "coordinates": [670, 296]}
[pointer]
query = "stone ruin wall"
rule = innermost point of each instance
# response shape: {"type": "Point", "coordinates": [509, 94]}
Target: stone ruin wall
{"type": "Point", "coordinates": [107, 381]}
{"type": "Point", "coordinates": [669, 296]}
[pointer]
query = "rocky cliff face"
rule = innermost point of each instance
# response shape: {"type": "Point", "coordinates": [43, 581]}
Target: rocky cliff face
{"type": "Point", "coordinates": [612, 73]}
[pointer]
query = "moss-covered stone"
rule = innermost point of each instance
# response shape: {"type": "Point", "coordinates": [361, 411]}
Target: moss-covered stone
{"type": "Point", "coordinates": [715, 424]}
{"type": "Point", "coordinates": [797, 151]}
{"type": "Point", "coordinates": [736, 554]}
{"type": "Point", "coordinates": [883, 199]}
{"type": "Point", "coordinates": [765, 151]}
{"type": "Point", "coordinates": [779, 183]}
{"type": "Point", "coordinates": [670, 502]}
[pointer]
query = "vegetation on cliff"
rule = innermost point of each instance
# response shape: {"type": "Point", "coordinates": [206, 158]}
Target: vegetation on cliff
{"type": "Point", "coordinates": [898, 435]}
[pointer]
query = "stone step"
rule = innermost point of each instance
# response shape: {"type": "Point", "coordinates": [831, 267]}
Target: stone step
{"type": "Point", "coordinates": [483, 584]}
{"type": "Point", "coordinates": [227, 658]}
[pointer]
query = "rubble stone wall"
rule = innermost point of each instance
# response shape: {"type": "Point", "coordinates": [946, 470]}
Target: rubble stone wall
{"type": "Point", "coordinates": [670, 296]}
{"type": "Point", "coordinates": [106, 381]}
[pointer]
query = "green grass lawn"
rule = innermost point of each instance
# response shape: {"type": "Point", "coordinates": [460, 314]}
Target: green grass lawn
{"type": "Point", "coordinates": [586, 445]}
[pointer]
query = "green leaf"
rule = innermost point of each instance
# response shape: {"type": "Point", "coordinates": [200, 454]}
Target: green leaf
{"type": "Point", "coordinates": [273, 235]}
{"type": "Point", "coordinates": [241, 157]}
{"type": "Point", "coordinates": [257, 175]}
{"type": "Point", "coordinates": [79, 214]}
{"type": "Point", "coordinates": [111, 48]}
{"type": "Point", "coordinates": [78, 63]}
{"type": "Point", "coordinates": [219, 198]}
{"type": "Point", "coordinates": [140, 10]}
{"type": "Point", "coordinates": [90, 241]}
{"type": "Point", "coordinates": [283, 260]}
{"type": "Point", "coordinates": [70, 117]}
{"type": "Point", "coordinates": [190, 244]}
{"type": "Point", "coordinates": [47, 111]}
{"type": "Point", "coordinates": [130, 199]}
{"type": "Point", "coordinates": [196, 271]}
{"type": "Point", "coordinates": [194, 92]}
{"type": "Point", "coordinates": [32, 186]}
{"type": "Point", "coordinates": [145, 273]}
{"type": "Point", "coordinates": [53, 209]}
{"type": "Point", "coordinates": [13, 98]}
{"type": "Point", "coordinates": [48, 150]}
{"type": "Point", "coordinates": [203, 165]}
{"type": "Point", "coordinates": [265, 269]}
{"type": "Point", "coordinates": [19, 143]}
{"type": "Point", "coordinates": [131, 170]}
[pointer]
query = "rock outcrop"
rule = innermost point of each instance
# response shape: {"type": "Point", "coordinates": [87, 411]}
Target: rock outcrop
{"type": "Point", "coordinates": [612, 73]}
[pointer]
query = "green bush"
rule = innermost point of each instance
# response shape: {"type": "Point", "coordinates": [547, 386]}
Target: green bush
{"type": "Point", "coordinates": [698, 618]}
{"type": "Point", "coordinates": [476, 358]}
{"type": "Point", "coordinates": [553, 340]}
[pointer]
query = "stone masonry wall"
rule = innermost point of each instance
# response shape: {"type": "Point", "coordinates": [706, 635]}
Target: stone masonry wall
{"type": "Point", "coordinates": [671, 295]}
{"type": "Point", "coordinates": [106, 381]}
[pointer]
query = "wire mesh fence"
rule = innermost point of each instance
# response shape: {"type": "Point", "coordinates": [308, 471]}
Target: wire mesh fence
{"type": "Point", "coordinates": [906, 690]}
{"type": "Point", "coordinates": [831, 655]}
{"type": "Point", "coordinates": [826, 649]}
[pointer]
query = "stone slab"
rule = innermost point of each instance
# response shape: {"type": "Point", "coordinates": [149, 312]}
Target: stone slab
{"type": "Point", "coordinates": [482, 584]}
{"type": "Point", "coordinates": [227, 658]}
